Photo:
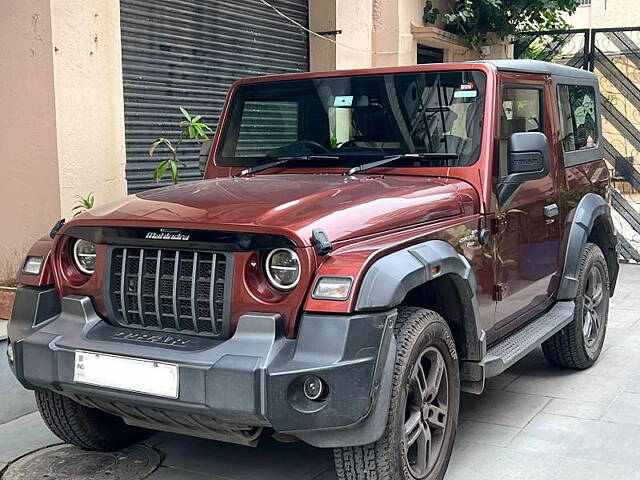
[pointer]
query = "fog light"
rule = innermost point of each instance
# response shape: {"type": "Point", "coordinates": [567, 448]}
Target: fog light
{"type": "Point", "coordinates": [10, 353]}
{"type": "Point", "coordinates": [314, 388]}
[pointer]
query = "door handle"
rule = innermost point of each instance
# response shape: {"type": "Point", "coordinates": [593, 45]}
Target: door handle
{"type": "Point", "coordinates": [550, 212]}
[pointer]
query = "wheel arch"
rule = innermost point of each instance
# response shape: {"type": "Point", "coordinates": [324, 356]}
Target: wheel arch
{"type": "Point", "coordinates": [591, 222]}
{"type": "Point", "coordinates": [430, 275]}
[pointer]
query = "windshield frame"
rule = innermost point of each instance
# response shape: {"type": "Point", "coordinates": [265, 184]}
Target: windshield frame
{"type": "Point", "coordinates": [215, 168]}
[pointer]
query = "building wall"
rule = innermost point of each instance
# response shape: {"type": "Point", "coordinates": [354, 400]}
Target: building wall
{"type": "Point", "coordinates": [376, 33]}
{"type": "Point", "coordinates": [62, 128]}
{"type": "Point", "coordinates": [89, 100]}
{"type": "Point", "coordinates": [29, 186]}
{"type": "Point", "coordinates": [606, 13]}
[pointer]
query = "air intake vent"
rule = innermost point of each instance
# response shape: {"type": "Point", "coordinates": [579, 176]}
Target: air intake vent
{"type": "Point", "coordinates": [170, 290]}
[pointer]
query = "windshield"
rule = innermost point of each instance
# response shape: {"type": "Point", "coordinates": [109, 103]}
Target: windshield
{"type": "Point", "coordinates": [345, 121]}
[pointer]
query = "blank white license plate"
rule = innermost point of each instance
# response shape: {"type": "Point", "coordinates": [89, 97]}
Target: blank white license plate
{"type": "Point", "coordinates": [129, 374]}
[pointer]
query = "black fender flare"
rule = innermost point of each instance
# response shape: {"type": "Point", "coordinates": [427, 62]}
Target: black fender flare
{"type": "Point", "coordinates": [581, 220]}
{"type": "Point", "coordinates": [390, 278]}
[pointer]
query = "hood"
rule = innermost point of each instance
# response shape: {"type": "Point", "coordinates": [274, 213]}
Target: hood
{"type": "Point", "coordinates": [293, 204]}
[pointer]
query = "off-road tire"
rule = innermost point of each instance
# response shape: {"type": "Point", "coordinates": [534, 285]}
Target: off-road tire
{"type": "Point", "coordinates": [87, 428]}
{"type": "Point", "coordinates": [416, 330]}
{"type": "Point", "coordinates": [569, 348]}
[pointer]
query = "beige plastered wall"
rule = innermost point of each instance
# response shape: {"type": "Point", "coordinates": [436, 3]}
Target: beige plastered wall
{"type": "Point", "coordinates": [601, 14]}
{"type": "Point", "coordinates": [29, 185]}
{"type": "Point", "coordinates": [62, 128]}
{"type": "Point", "coordinates": [89, 100]}
{"type": "Point", "coordinates": [378, 33]}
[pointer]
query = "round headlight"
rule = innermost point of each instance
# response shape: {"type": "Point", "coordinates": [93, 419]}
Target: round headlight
{"type": "Point", "coordinates": [283, 268]}
{"type": "Point", "coordinates": [84, 256]}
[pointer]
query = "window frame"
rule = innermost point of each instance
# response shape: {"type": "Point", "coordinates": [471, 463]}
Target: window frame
{"type": "Point", "coordinates": [527, 86]}
{"type": "Point", "coordinates": [541, 99]}
{"type": "Point", "coordinates": [593, 154]}
{"type": "Point", "coordinates": [558, 88]}
{"type": "Point", "coordinates": [231, 118]}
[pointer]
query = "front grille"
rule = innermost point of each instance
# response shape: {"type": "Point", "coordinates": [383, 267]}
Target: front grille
{"type": "Point", "coordinates": [171, 290]}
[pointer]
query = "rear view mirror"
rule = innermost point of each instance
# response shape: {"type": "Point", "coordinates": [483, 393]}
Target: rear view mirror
{"type": "Point", "coordinates": [527, 159]}
{"type": "Point", "coordinates": [203, 157]}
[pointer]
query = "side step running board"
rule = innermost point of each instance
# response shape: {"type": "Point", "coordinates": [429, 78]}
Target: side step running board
{"type": "Point", "coordinates": [513, 348]}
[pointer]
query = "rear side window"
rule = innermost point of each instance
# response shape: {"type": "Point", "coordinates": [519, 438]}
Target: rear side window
{"type": "Point", "coordinates": [578, 124]}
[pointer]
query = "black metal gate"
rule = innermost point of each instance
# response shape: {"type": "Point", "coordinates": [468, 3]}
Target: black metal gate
{"type": "Point", "coordinates": [187, 53]}
{"type": "Point", "coordinates": [614, 55]}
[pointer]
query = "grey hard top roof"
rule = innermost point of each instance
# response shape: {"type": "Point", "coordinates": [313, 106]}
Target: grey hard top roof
{"type": "Point", "coordinates": [536, 66]}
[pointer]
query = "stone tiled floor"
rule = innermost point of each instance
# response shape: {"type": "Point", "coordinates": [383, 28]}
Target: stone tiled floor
{"type": "Point", "coordinates": [533, 422]}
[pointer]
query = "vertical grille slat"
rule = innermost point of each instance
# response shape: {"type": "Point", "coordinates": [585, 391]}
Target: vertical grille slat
{"type": "Point", "coordinates": [141, 308]}
{"type": "Point", "coordinates": [194, 286]}
{"type": "Point", "coordinates": [212, 289]}
{"type": "Point", "coordinates": [123, 288]}
{"type": "Point", "coordinates": [157, 289]}
{"type": "Point", "coordinates": [174, 285]}
{"type": "Point", "coordinates": [170, 290]}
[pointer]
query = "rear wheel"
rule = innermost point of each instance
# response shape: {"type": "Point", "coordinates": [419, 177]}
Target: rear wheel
{"type": "Point", "coordinates": [579, 344]}
{"type": "Point", "coordinates": [85, 427]}
{"type": "Point", "coordinates": [423, 417]}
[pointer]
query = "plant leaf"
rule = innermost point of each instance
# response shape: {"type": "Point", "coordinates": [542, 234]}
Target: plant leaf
{"type": "Point", "coordinates": [174, 172]}
{"type": "Point", "coordinates": [154, 145]}
{"type": "Point", "coordinates": [185, 113]}
{"type": "Point", "coordinates": [159, 171]}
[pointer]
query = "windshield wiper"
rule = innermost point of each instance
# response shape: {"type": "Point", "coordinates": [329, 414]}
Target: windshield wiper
{"type": "Point", "coordinates": [420, 157]}
{"type": "Point", "coordinates": [281, 161]}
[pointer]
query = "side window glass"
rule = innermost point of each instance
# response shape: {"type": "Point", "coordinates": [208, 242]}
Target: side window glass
{"type": "Point", "coordinates": [577, 104]}
{"type": "Point", "coordinates": [266, 126]}
{"type": "Point", "coordinates": [521, 112]}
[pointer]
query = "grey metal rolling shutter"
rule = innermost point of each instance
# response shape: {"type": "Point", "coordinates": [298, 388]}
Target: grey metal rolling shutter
{"type": "Point", "coordinates": [187, 53]}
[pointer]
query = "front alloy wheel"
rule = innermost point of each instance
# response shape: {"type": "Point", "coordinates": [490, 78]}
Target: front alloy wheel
{"type": "Point", "coordinates": [426, 413]}
{"type": "Point", "coordinates": [593, 306]}
{"type": "Point", "coordinates": [423, 415]}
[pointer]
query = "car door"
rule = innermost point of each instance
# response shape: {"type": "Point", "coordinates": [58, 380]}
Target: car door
{"type": "Point", "coordinates": [527, 230]}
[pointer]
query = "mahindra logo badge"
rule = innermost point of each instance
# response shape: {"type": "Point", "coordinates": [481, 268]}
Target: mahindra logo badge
{"type": "Point", "coordinates": [166, 234]}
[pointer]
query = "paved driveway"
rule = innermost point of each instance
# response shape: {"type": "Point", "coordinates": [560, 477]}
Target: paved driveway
{"type": "Point", "coordinates": [532, 422]}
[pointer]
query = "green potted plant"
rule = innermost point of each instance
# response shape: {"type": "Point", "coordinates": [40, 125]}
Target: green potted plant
{"type": "Point", "coordinates": [191, 128]}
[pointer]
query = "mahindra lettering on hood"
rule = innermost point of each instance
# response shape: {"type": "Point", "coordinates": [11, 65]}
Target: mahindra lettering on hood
{"type": "Point", "coordinates": [364, 246]}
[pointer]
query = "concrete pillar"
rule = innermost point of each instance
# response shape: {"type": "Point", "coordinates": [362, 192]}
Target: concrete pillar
{"type": "Point", "coordinates": [29, 185]}
{"type": "Point", "coordinates": [89, 100]}
{"type": "Point", "coordinates": [354, 47]}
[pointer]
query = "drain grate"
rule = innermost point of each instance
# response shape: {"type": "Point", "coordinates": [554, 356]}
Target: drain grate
{"type": "Point", "coordinates": [66, 462]}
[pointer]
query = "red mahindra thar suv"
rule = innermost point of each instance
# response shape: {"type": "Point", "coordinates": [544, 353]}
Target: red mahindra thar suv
{"type": "Point", "coordinates": [364, 246]}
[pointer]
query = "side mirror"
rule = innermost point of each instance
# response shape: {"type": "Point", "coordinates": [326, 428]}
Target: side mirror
{"type": "Point", "coordinates": [527, 159]}
{"type": "Point", "coordinates": [203, 156]}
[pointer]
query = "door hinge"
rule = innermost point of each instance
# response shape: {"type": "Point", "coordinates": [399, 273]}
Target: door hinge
{"type": "Point", "coordinates": [498, 292]}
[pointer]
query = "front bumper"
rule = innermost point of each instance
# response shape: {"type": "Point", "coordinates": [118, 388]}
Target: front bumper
{"type": "Point", "coordinates": [252, 379]}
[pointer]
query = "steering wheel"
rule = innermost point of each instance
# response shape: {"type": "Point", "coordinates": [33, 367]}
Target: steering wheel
{"type": "Point", "coordinates": [349, 144]}
{"type": "Point", "coordinates": [315, 147]}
